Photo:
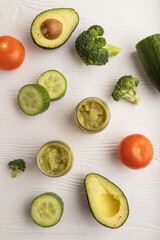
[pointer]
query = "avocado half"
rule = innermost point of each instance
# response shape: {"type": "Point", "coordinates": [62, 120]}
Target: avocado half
{"type": "Point", "coordinates": [50, 29]}
{"type": "Point", "coordinates": [107, 202]}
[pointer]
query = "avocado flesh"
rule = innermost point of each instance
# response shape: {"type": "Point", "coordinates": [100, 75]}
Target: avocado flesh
{"type": "Point", "coordinates": [67, 16]}
{"type": "Point", "coordinates": [107, 202]}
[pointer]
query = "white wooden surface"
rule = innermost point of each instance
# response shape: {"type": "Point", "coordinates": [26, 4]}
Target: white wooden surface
{"type": "Point", "coordinates": [125, 22]}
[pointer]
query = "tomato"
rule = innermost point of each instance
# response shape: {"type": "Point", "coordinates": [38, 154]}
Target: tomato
{"type": "Point", "coordinates": [136, 151]}
{"type": "Point", "coordinates": [12, 53]}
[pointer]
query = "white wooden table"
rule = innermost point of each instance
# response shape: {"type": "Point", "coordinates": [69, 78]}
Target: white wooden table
{"type": "Point", "coordinates": [125, 23]}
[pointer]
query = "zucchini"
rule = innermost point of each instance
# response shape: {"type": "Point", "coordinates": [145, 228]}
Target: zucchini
{"type": "Point", "coordinates": [54, 82]}
{"type": "Point", "coordinates": [149, 52]}
{"type": "Point", "coordinates": [33, 99]}
{"type": "Point", "coordinates": [47, 209]}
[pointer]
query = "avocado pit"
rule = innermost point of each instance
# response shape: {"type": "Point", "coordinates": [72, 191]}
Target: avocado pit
{"type": "Point", "coordinates": [51, 29]}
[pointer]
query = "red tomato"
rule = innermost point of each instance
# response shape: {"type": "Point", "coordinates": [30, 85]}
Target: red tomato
{"type": "Point", "coordinates": [136, 151]}
{"type": "Point", "coordinates": [12, 53]}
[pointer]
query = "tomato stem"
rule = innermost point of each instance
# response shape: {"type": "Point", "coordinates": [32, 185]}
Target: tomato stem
{"type": "Point", "coordinates": [4, 45]}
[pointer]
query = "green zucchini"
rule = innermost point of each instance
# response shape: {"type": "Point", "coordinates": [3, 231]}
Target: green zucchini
{"type": "Point", "coordinates": [47, 209]}
{"type": "Point", "coordinates": [54, 82]}
{"type": "Point", "coordinates": [149, 52]}
{"type": "Point", "coordinates": [33, 99]}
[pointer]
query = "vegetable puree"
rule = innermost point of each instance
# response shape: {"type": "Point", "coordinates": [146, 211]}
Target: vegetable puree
{"type": "Point", "coordinates": [54, 159]}
{"type": "Point", "coordinates": [92, 114]}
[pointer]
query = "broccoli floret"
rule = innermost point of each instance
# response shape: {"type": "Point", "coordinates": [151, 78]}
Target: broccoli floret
{"type": "Point", "coordinates": [17, 165]}
{"type": "Point", "coordinates": [92, 47]}
{"type": "Point", "coordinates": [126, 88]}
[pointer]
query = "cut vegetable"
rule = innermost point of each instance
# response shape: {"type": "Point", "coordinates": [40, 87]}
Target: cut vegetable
{"type": "Point", "coordinates": [107, 202]}
{"type": "Point", "coordinates": [47, 209]}
{"type": "Point", "coordinates": [52, 28]}
{"type": "Point", "coordinates": [54, 82]}
{"type": "Point", "coordinates": [33, 99]}
{"type": "Point", "coordinates": [149, 52]}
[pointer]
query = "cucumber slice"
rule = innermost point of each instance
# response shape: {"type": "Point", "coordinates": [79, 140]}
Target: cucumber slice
{"type": "Point", "coordinates": [33, 99]}
{"type": "Point", "coordinates": [47, 209]}
{"type": "Point", "coordinates": [54, 82]}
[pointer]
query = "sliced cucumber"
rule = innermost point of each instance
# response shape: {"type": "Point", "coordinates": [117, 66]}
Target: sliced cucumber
{"type": "Point", "coordinates": [54, 82]}
{"type": "Point", "coordinates": [47, 209]}
{"type": "Point", "coordinates": [33, 99]}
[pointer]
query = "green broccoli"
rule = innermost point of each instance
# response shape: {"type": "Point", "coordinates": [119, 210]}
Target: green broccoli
{"type": "Point", "coordinates": [126, 88]}
{"type": "Point", "coordinates": [92, 48]}
{"type": "Point", "coordinates": [17, 165]}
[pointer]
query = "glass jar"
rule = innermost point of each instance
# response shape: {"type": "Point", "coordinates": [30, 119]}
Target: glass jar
{"type": "Point", "coordinates": [55, 158]}
{"type": "Point", "coordinates": [92, 115]}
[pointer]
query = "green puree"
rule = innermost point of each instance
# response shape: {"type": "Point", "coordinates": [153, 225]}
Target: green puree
{"type": "Point", "coordinates": [92, 114]}
{"type": "Point", "coordinates": [54, 159]}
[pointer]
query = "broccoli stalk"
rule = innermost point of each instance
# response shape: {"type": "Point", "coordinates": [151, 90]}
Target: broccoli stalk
{"type": "Point", "coordinates": [92, 47]}
{"type": "Point", "coordinates": [17, 165]}
{"type": "Point", "coordinates": [15, 173]}
{"type": "Point", "coordinates": [126, 87]}
{"type": "Point", "coordinates": [113, 51]}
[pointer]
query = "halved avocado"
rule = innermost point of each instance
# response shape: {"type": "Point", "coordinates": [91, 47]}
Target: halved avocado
{"type": "Point", "coordinates": [51, 28]}
{"type": "Point", "coordinates": [107, 202]}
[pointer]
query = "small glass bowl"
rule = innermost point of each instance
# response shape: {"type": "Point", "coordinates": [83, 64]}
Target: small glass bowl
{"type": "Point", "coordinates": [70, 154]}
{"type": "Point", "coordinates": [105, 107]}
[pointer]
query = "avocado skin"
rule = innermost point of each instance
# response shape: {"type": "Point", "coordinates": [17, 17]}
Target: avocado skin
{"type": "Point", "coordinates": [91, 208]}
{"type": "Point", "coordinates": [47, 48]}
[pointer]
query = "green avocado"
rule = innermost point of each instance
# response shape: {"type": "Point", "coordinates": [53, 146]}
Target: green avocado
{"type": "Point", "coordinates": [51, 28]}
{"type": "Point", "coordinates": [107, 202]}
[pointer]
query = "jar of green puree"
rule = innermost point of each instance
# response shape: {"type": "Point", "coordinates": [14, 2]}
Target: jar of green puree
{"type": "Point", "coordinates": [55, 158]}
{"type": "Point", "coordinates": [92, 115]}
